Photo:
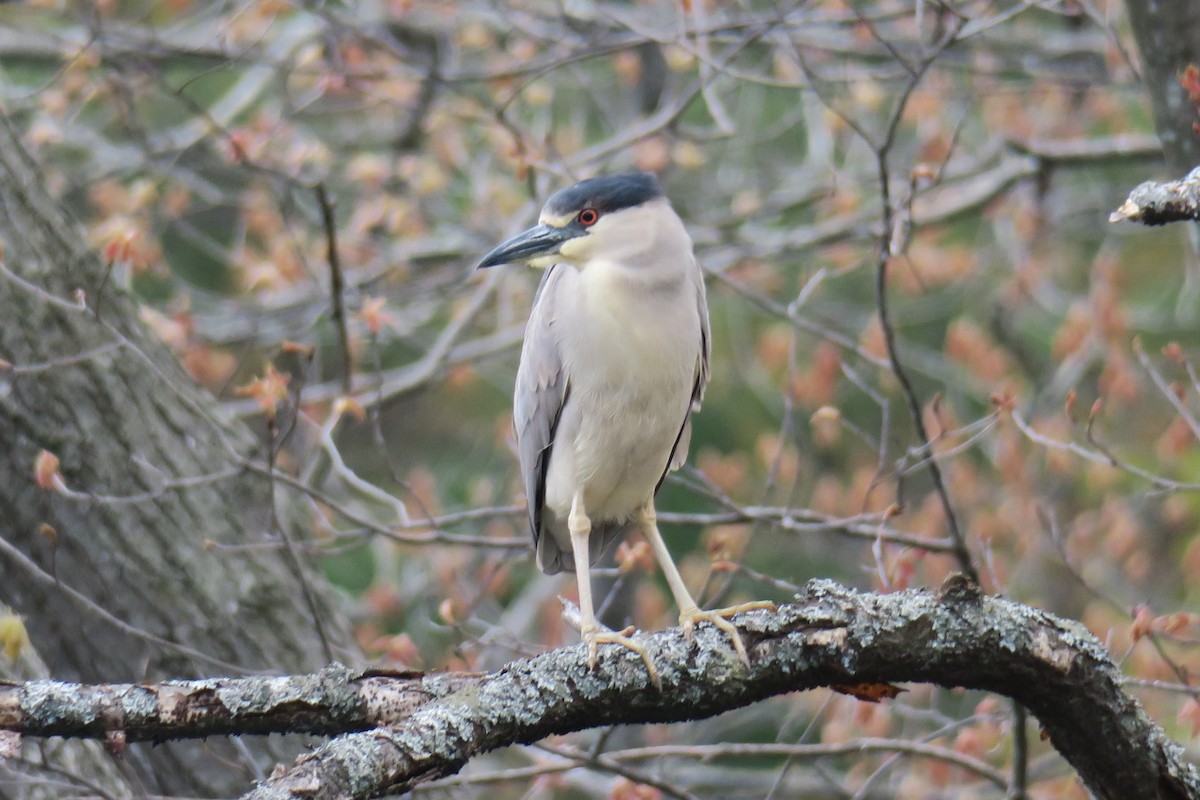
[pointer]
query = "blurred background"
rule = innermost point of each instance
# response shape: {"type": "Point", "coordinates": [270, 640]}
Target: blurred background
{"type": "Point", "coordinates": [948, 167]}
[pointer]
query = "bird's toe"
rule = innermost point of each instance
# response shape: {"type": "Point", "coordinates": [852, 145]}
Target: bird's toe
{"type": "Point", "coordinates": [720, 618]}
{"type": "Point", "coordinates": [597, 637]}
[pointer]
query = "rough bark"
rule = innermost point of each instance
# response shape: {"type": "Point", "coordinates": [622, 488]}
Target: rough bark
{"type": "Point", "coordinates": [429, 726]}
{"type": "Point", "coordinates": [119, 590]}
{"type": "Point", "coordinates": [1168, 38]}
{"type": "Point", "coordinates": [834, 636]}
{"type": "Point", "coordinates": [954, 637]}
{"type": "Point", "coordinates": [1152, 203]}
{"type": "Point", "coordinates": [330, 702]}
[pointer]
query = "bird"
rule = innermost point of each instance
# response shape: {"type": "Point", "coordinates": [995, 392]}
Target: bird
{"type": "Point", "coordinates": [614, 361]}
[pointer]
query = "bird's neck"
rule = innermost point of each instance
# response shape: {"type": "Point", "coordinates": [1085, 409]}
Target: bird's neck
{"type": "Point", "coordinates": [635, 276]}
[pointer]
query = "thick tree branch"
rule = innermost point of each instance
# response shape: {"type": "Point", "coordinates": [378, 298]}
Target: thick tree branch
{"type": "Point", "coordinates": [832, 635]}
{"type": "Point", "coordinates": [330, 702]}
{"type": "Point", "coordinates": [954, 637]}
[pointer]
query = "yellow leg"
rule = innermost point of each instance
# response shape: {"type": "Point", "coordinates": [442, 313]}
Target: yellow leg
{"type": "Point", "coordinates": [590, 631]}
{"type": "Point", "coordinates": [689, 612]}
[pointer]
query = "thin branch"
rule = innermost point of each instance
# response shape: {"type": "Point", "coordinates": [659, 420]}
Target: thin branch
{"type": "Point", "coordinates": [38, 575]}
{"type": "Point", "coordinates": [1020, 758]}
{"type": "Point", "coordinates": [1100, 455]}
{"type": "Point", "coordinates": [882, 151]}
{"type": "Point", "coordinates": [337, 287]}
{"type": "Point", "coordinates": [851, 747]}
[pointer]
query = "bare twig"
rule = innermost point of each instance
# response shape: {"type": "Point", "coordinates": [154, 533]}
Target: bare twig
{"type": "Point", "coordinates": [337, 287]}
{"type": "Point", "coordinates": [887, 211]}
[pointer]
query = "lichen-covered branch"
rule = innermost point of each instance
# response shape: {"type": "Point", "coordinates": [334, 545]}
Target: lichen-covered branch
{"type": "Point", "coordinates": [832, 635]}
{"type": "Point", "coordinates": [1152, 203]}
{"type": "Point", "coordinates": [330, 702]}
{"type": "Point", "coordinates": [429, 726]}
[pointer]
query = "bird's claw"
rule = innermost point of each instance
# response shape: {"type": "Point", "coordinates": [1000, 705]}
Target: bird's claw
{"type": "Point", "coordinates": [719, 617]}
{"type": "Point", "coordinates": [598, 636]}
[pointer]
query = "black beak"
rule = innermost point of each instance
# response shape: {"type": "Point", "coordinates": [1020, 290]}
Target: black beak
{"type": "Point", "coordinates": [540, 240]}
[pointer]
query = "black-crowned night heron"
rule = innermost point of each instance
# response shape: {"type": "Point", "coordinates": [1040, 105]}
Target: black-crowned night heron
{"type": "Point", "coordinates": [615, 360]}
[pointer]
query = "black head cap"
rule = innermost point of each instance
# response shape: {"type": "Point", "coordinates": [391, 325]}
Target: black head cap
{"type": "Point", "coordinates": [606, 194]}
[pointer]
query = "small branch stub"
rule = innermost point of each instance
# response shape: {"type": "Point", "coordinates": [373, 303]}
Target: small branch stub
{"type": "Point", "coordinates": [1154, 203]}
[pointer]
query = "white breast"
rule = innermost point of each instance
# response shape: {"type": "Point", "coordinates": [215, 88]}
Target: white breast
{"type": "Point", "coordinates": [631, 349]}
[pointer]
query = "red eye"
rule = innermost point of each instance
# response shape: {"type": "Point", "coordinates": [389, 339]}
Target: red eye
{"type": "Point", "coordinates": [588, 217]}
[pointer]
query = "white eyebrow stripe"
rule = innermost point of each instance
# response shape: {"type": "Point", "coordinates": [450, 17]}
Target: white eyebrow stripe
{"type": "Point", "coordinates": [556, 221]}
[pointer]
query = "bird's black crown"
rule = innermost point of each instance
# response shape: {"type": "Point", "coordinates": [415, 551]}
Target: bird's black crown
{"type": "Point", "coordinates": [606, 194]}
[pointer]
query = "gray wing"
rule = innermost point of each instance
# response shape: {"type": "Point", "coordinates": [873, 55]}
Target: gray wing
{"type": "Point", "coordinates": [538, 400]}
{"type": "Point", "coordinates": [705, 339]}
{"type": "Point", "coordinates": [683, 441]}
{"type": "Point", "coordinates": [542, 392]}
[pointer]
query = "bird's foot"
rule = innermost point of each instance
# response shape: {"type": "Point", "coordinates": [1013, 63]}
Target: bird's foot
{"type": "Point", "coordinates": [720, 618]}
{"type": "Point", "coordinates": [597, 636]}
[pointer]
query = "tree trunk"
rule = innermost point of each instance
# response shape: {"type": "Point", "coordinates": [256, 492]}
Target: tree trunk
{"type": "Point", "coordinates": [130, 590]}
{"type": "Point", "coordinates": [1168, 36]}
